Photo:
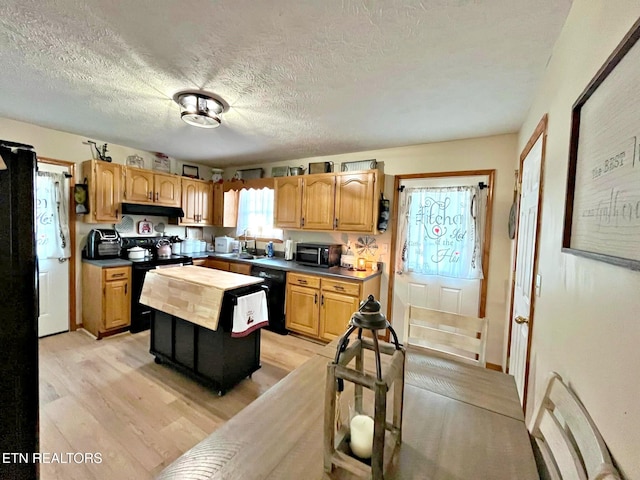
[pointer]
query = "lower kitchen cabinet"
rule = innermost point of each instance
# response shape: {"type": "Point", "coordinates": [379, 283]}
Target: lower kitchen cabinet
{"type": "Point", "coordinates": [106, 299]}
{"type": "Point", "coordinates": [234, 267]}
{"type": "Point", "coordinates": [321, 307]}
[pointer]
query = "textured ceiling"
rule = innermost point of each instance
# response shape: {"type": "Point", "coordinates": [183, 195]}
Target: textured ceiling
{"type": "Point", "coordinates": [301, 78]}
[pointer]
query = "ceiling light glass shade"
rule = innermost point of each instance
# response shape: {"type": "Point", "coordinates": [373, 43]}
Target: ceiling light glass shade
{"type": "Point", "coordinates": [200, 110]}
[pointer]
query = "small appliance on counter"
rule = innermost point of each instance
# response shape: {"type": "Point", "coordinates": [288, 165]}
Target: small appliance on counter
{"type": "Point", "coordinates": [101, 244]}
{"type": "Point", "coordinates": [318, 254]}
{"type": "Point", "coordinates": [223, 244]}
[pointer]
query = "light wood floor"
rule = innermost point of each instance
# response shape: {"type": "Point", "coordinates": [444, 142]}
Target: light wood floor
{"type": "Point", "coordinates": [109, 396]}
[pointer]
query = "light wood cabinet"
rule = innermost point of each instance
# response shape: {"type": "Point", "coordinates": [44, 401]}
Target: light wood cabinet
{"type": "Point", "coordinates": [106, 299]}
{"type": "Point", "coordinates": [145, 186]}
{"type": "Point", "coordinates": [234, 267]}
{"type": "Point", "coordinates": [356, 202]}
{"type": "Point", "coordinates": [106, 182]}
{"type": "Point", "coordinates": [288, 204]}
{"type": "Point", "coordinates": [243, 268]}
{"type": "Point", "coordinates": [225, 206]}
{"type": "Point", "coordinates": [197, 202]}
{"type": "Point", "coordinates": [217, 264]}
{"type": "Point", "coordinates": [343, 201]}
{"type": "Point", "coordinates": [318, 194]}
{"type": "Point", "coordinates": [321, 307]}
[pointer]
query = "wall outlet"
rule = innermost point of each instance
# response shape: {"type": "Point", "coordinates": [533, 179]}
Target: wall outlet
{"type": "Point", "coordinates": [384, 248]}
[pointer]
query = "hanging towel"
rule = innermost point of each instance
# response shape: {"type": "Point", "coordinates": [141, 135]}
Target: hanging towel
{"type": "Point", "coordinates": [250, 314]}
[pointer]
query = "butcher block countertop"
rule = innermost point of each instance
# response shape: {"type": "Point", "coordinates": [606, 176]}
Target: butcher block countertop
{"type": "Point", "coordinates": [191, 293]}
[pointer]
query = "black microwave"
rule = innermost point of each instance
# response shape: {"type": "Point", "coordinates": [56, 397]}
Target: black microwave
{"type": "Point", "coordinates": [318, 254]}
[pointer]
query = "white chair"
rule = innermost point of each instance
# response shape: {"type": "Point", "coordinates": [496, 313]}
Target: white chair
{"type": "Point", "coordinates": [570, 446]}
{"type": "Point", "coordinates": [461, 337]}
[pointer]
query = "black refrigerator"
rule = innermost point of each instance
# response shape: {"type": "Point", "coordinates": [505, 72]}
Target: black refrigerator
{"type": "Point", "coordinates": [18, 312]}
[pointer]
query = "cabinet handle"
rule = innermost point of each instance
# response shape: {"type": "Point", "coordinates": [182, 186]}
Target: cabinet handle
{"type": "Point", "coordinates": [125, 288]}
{"type": "Point", "coordinates": [118, 275]}
{"type": "Point", "coordinates": [302, 281]}
{"type": "Point", "coordinates": [338, 287]}
{"type": "Point", "coordinates": [315, 298]}
{"type": "Point", "coordinates": [116, 213]}
{"type": "Point", "coordinates": [150, 193]}
{"type": "Point", "coordinates": [335, 223]}
{"type": "Point", "coordinates": [302, 223]}
{"type": "Point", "coordinates": [157, 196]}
{"type": "Point", "coordinates": [322, 300]}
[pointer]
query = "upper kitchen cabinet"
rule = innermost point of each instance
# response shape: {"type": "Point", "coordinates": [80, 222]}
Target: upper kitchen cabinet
{"type": "Point", "coordinates": [343, 201]}
{"type": "Point", "coordinates": [106, 182]}
{"type": "Point", "coordinates": [318, 194]}
{"type": "Point", "coordinates": [197, 202]}
{"type": "Point", "coordinates": [356, 202]}
{"type": "Point", "coordinates": [225, 206]}
{"type": "Point", "coordinates": [288, 204]}
{"type": "Point", "coordinates": [145, 186]}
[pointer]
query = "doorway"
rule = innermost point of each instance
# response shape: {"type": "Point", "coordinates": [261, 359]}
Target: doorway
{"type": "Point", "coordinates": [441, 242]}
{"type": "Point", "coordinates": [523, 288]}
{"type": "Point", "coordinates": [55, 242]}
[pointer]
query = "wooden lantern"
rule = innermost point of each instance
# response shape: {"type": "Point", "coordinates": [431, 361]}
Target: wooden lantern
{"type": "Point", "coordinates": [337, 451]}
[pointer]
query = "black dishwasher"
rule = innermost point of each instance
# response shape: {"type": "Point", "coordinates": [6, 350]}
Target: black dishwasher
{"type": "Point", "coordinates": [276, 280]}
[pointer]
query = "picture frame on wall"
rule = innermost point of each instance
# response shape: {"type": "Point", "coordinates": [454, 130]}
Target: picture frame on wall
{"type": "Point", "coordinates": [190, 171]}
{"type": "Point", "coordinates": [602, 210]}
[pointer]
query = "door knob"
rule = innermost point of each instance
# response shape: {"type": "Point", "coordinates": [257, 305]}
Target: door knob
{"type": "Point", "coordinates": [520, 320]}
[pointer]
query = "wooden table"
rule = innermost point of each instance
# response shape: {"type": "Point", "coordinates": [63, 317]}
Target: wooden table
{"type": "Point", "coordinates": [279, 435]}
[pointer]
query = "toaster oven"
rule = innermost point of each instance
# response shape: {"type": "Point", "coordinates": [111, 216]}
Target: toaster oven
{"type": "Point", "coordinates": [102, 243]}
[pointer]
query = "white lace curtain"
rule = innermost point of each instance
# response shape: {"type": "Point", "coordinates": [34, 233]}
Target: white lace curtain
{"type": "Point", "coordinates": [52, 216]}
{"type": "Point", "coordinates": [441, 231]}
{"type": "Point", "coordinates": [255, 213]}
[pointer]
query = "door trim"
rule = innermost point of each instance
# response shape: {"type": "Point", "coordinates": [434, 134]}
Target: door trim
{"type": "Point", "coordinates": [487, 231]}
{"type": "Point", "coordinates": [72, 236]}
{"type": "Point", "coordinates": [540, 130]}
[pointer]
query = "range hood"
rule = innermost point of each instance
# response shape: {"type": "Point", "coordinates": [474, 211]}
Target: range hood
{"type": "Point", "coordinates": [151, 210]}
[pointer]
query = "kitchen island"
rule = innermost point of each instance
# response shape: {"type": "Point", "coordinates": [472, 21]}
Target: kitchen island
{"type": "Point", "coordinates": [191, 328]}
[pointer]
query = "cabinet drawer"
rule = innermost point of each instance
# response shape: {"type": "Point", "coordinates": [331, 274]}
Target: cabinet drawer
{"type": "Point", "coordinates": [341, 287]}
{"type": "Point", "coordinates": [243, 268]}
{"type": "Point", "coordinates": [200, 262]}
{"type": "Point", "coordinates": [217, 264]}
{"type": "Point", "coordinates": [303, 280]}
{"type": "Point", "coordinates": [116, 273]}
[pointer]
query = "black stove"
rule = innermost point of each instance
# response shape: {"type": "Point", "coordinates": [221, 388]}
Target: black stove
{"type": "Point", "coordinates": [141, 314]}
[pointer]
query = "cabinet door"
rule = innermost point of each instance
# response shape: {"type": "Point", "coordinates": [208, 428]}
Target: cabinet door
{"type": "Point", "coordinates": [288, 202]}
{"type": "Point", "coordinates": [335, 311]}
{"type": "Point", "coordinates": [167, 189]}
{"type": "Point", "coordinates": [117, 304]}
{"type": "Point", "coordinates": [108, 191]}
{"type": "Point", "coordinates": [218, 205]}
{"type": "Point", "coordinates": [190, 198]}
{"type": "Point", "coordinates": [302, 310]}
{"type": "Point", "coordinates": [139, 185]}
{"type": "Point", "coordinates": [355, 202]}
{"type": "Point", "coordinates": [318, 194]}
{"type": "Point", "coordinates": [206, 204]}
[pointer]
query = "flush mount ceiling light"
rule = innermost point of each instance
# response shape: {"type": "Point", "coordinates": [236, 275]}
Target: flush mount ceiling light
{"type": "Point", "coordinates": [199, 109]}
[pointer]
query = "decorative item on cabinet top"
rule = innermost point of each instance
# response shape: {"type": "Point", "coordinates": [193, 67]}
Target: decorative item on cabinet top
{"type": "Point", "coordinates": [190, 171]}
{"type": "Point", "coordinates": [161, 163]}
{"type": "Point", "coordinates": [359, 165]}
{"type": "Point", "coordinates": [249, 174]}
{"type": "Point", "coordinates": [135, 161]}
{"type": "Point", "coordinates": [280, 171]}
{"type": "Point", "coordinates": [320, 167]}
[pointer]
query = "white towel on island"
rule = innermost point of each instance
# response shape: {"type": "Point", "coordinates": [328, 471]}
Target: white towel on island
{"type": "Point", "coordinates": [250, 314]}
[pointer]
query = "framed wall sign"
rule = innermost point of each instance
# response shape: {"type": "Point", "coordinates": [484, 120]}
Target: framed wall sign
{"type": "Point", "coordinates": [190, 171]}
{"type": "Point", "coordinates": [602, 211]}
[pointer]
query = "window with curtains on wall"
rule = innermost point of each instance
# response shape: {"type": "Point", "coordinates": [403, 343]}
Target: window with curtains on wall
{"type": "Point", "coordinates": [255, 214]}
{"type": "Point", "coordinates": [441, 230]}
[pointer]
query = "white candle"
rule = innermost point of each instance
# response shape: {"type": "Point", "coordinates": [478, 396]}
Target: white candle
{"type": "Point", "coordinates": [362, 436]}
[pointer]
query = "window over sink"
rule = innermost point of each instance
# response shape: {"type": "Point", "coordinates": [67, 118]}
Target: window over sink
{"type": "Point", "coordinates": [255, 214]}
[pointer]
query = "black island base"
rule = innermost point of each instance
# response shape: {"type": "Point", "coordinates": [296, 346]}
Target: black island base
{"type": "Point", "coordinates": [213, 357]}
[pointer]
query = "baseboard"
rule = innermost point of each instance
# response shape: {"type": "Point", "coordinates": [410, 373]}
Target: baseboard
{"type": "Point", "coordinates": [494, 366]}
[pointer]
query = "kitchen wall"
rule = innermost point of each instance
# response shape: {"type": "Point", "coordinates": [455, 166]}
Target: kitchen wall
{"type": "Point", "coordinates": [495, 152]}
{"type": "Point", "coordinates": [587, 324]}
{"type": "Point", "coordinates": [66, 146]}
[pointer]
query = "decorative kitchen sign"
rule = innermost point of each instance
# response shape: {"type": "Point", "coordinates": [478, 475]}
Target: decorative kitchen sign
{"type": "Point", "coordinates": [162, 163]}
{"type": "Point", "coordinates": [602, 212]}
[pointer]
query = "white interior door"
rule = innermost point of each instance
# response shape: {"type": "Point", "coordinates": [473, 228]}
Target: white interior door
{"type": "Point", "coordinates": [53, 281]}
{"type": "Point", "coordinates": [525, 257]}
{"type": "Point", "coordinates": [455, 295]}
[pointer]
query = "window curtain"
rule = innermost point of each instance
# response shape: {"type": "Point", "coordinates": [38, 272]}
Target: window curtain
{"type": "Point", "coordinates": [255, 213]}
{"type": "Point", "coordinates": [441, 230]}
{"type": "Point", "coordinates": [52, 216]}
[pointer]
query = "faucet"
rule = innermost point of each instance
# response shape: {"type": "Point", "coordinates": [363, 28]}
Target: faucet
{"type": "Point", "coordinates": [244, 234]}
